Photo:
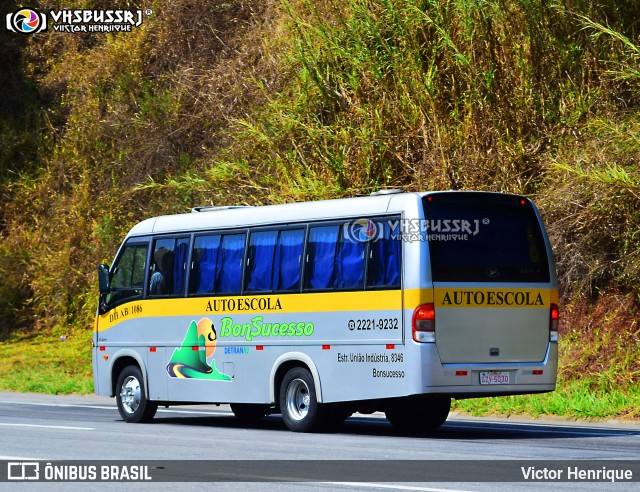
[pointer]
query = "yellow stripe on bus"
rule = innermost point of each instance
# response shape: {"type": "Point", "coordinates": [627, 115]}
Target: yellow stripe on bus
{"type": "Point", "coordinates": [382, 300]}
{"type": "Point", "coordinates": [275, 304]}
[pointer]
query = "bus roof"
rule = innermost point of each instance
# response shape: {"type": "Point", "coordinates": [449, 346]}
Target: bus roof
{"type": "Point", "coordinates": [276, 214]}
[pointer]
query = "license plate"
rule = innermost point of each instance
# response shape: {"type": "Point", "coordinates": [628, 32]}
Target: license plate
{"type": "Point", "coordinates": [494, 377]}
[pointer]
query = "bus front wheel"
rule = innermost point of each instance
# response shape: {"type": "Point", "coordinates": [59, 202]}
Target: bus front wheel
{"type": "Point", "coordinates": [298, 402]}
{"type": "Point", "coordinates": [131, 397]}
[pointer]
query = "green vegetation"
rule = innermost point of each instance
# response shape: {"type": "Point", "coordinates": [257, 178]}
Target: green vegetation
{"type": "Point", "coordinates": [574, 399]}
{"type": "Point", "coordinates": [48, 363]}
{"type": "Point", "coordinates": [223, 102]}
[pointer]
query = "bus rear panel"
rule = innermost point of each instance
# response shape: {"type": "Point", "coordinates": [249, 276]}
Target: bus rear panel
{"type": "Point", "coordinates": [495, 298]}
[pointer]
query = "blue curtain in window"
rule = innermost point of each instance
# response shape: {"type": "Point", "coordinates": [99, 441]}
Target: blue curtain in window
{"type": "Point", "coordinates": [262, 246]}
{"type": "Point", "coordinates": [384, 263]}
{"type": "Point", "coordinates": [286, 273]}
{"type": "Point", "coordinates": [350, 264]}
{"type": "Point", "coordinates": [393, 263]}
{"type": "Point", "coordinates": [179, 266]}
{"type": "Point", "coordinates": [205, 266]}
{"type": "Point", "coordinates": [322, 253]}
{"type": "Point", "coordinates": [230, 274]}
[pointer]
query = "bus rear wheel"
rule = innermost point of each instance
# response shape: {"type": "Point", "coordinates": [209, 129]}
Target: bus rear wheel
{"type": "Point", "coordinates": [131, 397]}
{"type": "Point", "coordinates": [419, 415]}
{"type": "Point", "coordinates": [298, 402]}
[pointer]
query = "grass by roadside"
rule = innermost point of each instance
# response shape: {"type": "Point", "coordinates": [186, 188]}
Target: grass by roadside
{"type": "Point", "coordinates": [51, 363]}
{"type": "Point", "coordinates": [575, 399]}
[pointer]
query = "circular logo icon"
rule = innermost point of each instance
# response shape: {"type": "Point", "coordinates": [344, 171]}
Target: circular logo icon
{"type": "Point", "coordinates": [363, 230]}
{"type": "Point", "coordinates": [27, 21]}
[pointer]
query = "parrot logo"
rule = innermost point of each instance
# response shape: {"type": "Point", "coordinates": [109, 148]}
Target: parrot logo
{"type": "Point", "coordinates": [189, 361]}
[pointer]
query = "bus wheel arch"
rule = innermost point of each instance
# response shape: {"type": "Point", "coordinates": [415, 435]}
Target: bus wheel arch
{"type": "Point", "coordinates": [120, 360]}
{"type": "Point", "coordinates": [283, 365]}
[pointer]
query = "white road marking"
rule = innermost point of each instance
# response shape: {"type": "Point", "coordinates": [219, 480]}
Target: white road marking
{"type": "Point", "coordinates": [392, 487]}
{"type": "Point", "coordinates": [54, 405]}
{"type": "Point", "coordinates": [114, 408]}
{"type": "Point", "coordinates": [48, 426]}
{"type": "Point", "coordinates": [21, 458]}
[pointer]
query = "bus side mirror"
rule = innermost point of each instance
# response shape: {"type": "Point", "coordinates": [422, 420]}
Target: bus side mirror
{"type": "Point", "coordinates": [103, 278]}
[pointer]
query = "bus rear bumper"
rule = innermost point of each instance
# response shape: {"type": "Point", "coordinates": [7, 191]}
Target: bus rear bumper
{"type": "Point", "coordinates": [464, 392]}
{"type": "Point", "coordinates": [489, 379]}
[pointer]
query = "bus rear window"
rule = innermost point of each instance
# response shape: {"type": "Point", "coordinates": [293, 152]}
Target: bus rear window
{"type": "Point", "coordinates": [484, 238]}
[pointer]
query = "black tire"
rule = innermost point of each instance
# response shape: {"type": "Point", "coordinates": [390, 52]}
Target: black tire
{"type": "Point", "coordinates": [298, 402]}
{"type": "Point", "coordinates": [248, 412]}
{"type": "Point", "coordinates": [418, 416]}
{"type": "Point", "coordinates": [131, 397]}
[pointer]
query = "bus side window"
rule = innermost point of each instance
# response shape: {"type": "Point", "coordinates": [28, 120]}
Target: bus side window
{"type": "Point", "coordinates": [206, 251]}
{"type": "Point", "coordinates": [321, 254]}
{"type": "Point", "coordinates": [168, 267]}
{"type": "Point", "coordinates": [274, 261]}
{"type": "Point", "coordinates": [162, 268]}
{"type": "Point", "coordinates": [286, 271]}
{"type": "Point", "coordinates": [259, 274]}
{"type": "Point", "coordinates": [229, 278]}
{"type": "Point", "coordinates": [384, 259]}
{"type": "Point", "coordinates": [180, 265]}
{"type": "Point", "coordinates": [350, 263]}
{"type": "Point", "coordinates": [334, 260]}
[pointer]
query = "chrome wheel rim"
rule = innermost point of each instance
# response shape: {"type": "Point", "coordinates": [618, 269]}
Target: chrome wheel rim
{"type": "Point", "coordinates": [130, 394]}
{"type": "Point", "coordinates": [298, 399]}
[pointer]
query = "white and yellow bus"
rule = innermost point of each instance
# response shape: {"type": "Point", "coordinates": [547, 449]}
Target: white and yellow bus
{"type": "Point", "coordinates": [395, 302]}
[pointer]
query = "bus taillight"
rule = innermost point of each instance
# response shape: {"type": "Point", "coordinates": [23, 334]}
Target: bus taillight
{"type": "Point", "coordinates": [423, 323]}
{"type": "Point", "coordinates": [554, 318]}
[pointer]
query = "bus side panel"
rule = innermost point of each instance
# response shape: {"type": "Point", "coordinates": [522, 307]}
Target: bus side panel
{"type": "Point", "coordinates": [227, 355]}
{"type": "Point", "coordinates": [100, 376]}
{"type": "Point", "coordinates": [363, 372]}
{"type": "Point", "coordinates": [156, 369]}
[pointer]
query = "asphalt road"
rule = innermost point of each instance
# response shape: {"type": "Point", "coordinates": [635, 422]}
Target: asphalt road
{"type": "Point", "coordinates": [52, 428]}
